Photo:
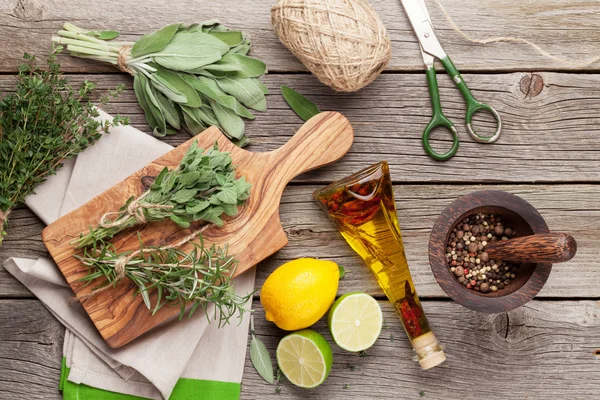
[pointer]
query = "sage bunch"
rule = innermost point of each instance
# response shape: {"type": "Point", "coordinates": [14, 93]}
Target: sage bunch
{"type": "Point", "coordinates": [42, 123]}
{"type": "Point", "coordinates": [200, 277]}
{"type": "Point", "coordinates": [190, 76]}
{"type": "Point", "coordinates": [202, 187]}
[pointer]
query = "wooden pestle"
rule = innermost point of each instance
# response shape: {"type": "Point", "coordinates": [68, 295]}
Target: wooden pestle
{"type": "Point", "coordinates": [540, 248]}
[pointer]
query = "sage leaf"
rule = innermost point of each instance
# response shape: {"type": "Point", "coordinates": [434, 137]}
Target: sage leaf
{"type": "Point", "coordinates": [229, 121]}
{"type": "Point", "coordinates": [104, 35]}
{"type": "Point", "coordinates": [169, 110]}
{"type": "Point", "coordinates": [177, 83]}
{"type": "Point", "coordinates": [239, 66]}
{"type": "Point", "coordinates": [139, 87]}
{"type": "Point", "coordinates": [191, 124]}
{"type": "Point", "coordinates": [167, 89]}
{"type": "Point", "coordinates": [179, 221]}
{"type": "Point", "coordinates": [190, 50]}
{"type": "Point", "coordinates": [261, 359]}
{"type": "Point", "coordinates": [154, 42]}
{"type": "Point", "coordinates": [155, 108]}
{"type": "Point", "coordinates": [210, 89]}
{"type": "Point", "coordinates": [245, 91]}
{"type": "Point", "coordinates": [231, 38]}
{"type": "Point", "coordinates": [228, 195]}
{"type": "Point", "coordinates": [305, 108]}
{"type": "Point", "coordinates": [260, 85]}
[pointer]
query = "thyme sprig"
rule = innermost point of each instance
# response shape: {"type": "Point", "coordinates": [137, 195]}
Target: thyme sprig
{"type": "Point", "coordinates": [42, 123]}
{"type": "Point", "coordinates": [199, 277]}
{"type": "Point", "coordinates": [202, 188]}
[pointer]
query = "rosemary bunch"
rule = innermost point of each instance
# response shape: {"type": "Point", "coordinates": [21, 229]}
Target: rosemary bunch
{"type": "Point", "coordinates": [190, 76]}
{"type": "Point", "coordinates": [200, 277]}
{"type": "Point", "coordinates": [42, 123]}
{"type": "Point", "coordinates": [203, 187]}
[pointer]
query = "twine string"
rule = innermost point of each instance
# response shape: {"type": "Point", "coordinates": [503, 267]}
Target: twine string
{"type": "Point", "coordinates": [135, 209]}
{"type": "Point", "coordinates": [124, 53]}
{"type": "Point", "coordinates": [511, 39]}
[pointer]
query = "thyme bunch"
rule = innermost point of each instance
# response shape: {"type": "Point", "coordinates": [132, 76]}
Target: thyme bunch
{"type": "Point", "coordinates": [200, 277]}
{"type": "Point", "coordinates": [42, 123]}
{"type": "Point", "coordinates": [203, 187]}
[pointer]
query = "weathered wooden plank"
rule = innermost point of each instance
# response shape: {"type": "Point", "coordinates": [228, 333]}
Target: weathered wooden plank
{"type": "Point", "coordinates": [30, 350]}
{"type": "Point", "coordinates": [563, 28]}
{"type": "Point", "coordinates": [544, 350]}
{"type": "Point", "coordinates": [540, 351]}
{"type": "Point", "coordinates": [567, 208]}
{"type": "Point", "coordinates": [550, 137]}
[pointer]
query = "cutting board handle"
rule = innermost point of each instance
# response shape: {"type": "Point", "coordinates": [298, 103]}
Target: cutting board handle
{"type": "Point", "coordinates": [322, 140]}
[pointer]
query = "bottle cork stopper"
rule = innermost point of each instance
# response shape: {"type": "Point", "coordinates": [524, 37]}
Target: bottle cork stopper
{"type": "Point", "coordinates": [428, 350]}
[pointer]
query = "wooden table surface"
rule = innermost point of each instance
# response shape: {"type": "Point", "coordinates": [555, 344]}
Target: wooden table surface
{"type": "Point", "coordinates": [549, 154]}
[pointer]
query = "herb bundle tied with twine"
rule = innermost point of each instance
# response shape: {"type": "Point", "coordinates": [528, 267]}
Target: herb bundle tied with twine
{"type": "Point", "coordinates": [190, 76]}
{"type": "Point", "coordinates": [200, 190]}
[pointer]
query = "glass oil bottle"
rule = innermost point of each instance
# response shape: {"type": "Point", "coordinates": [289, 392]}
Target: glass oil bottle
{"type": "Point", "coordinates": [363, 208]}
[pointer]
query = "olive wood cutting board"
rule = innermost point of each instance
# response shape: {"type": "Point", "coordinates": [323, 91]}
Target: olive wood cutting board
{"type": "Point", "coordinates": [253, 235]}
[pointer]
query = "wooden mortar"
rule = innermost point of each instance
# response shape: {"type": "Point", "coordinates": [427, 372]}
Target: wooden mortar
{"type": "Point", "coordinates": [535, 247]}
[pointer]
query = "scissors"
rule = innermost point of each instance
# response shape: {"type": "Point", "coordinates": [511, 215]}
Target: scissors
{"type": "Point", "coordinates": [430, 50]}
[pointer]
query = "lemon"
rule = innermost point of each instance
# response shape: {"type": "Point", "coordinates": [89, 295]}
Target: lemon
{"type": "Point", "coordinates": [355, 321]}
{"type": "Point", "coordinates": [305, 358]}
{"type": "Point", "coordinates": [299, 293]}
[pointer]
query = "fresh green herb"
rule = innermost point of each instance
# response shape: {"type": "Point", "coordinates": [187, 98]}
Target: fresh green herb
{"type": "Point", "coordinates": [346, 386]}
{"type": "Point", "coordinates": [421, 394]}
{"type": "Point", "coordinates": [189, 76]}
{"type": "Point", "coordinates": [200, 277]}
{"type": "Point", "coordinates": [278, 390]}
{"type": "Point", "coordinates": [342, 271]}
{"type": "Point", "coordinates": [44, 122]}
{"type": "Point", "coordinates": [260, 357]}
{"type": "Point", "coordinates": [305, 108]}
{"type": "Point", "coordinates": [202, 188]}
{"type": "Point", "coordinates": [363, 354]}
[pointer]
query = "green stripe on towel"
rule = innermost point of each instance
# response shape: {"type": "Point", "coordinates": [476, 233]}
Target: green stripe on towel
{"type": "Point", "coordinates": [192, 389]}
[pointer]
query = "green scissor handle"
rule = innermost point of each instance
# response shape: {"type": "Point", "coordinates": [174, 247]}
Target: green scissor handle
{"type": "Point", "coordinates": [438, 120]}
{"type": "Point", "coordinates": [473, 106]}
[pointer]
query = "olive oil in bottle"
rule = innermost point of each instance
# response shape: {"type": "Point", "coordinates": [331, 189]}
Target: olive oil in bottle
{"type": "Point", "coordinates": [363, 208]}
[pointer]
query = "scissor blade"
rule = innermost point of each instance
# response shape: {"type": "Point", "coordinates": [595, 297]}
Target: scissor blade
{"type": "Point", "coordinates": [419, 19]}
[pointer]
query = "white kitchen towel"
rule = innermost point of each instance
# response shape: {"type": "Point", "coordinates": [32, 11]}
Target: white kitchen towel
{"type": "Point", "coordinates": [152, 365]}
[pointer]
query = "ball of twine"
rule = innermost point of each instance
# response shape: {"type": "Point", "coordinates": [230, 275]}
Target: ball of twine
{"type": "Point", "coordinates": [342, 42]}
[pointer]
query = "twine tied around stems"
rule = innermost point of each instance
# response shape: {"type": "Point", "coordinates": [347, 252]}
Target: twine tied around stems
{"type": "Point", "coordinates": [121, 262]}
{"type": "Point", "coordinates": [135, 209]}
{"type": "Point", "coordinates": [124, 53]}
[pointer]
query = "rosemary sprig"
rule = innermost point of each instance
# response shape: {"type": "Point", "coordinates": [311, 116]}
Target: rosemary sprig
{"type": "Point", "coordinates": [42, 123]}
{"type": "Point", "coordinates": [202, 188]}
{"type": "Point", "coordinates": [200, 277]}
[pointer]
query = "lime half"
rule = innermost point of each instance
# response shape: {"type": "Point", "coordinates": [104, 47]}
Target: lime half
{"type": "Point", "coordinates": [355, 321]}
{"type": "Point", "coordinates": [305, 358]}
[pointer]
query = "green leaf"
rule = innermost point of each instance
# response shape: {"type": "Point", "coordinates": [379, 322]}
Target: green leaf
{"type": "Point", "coordinates": [183, 196]}
{"type": "Point", "coordinates": [231, 123]}
{"type": "Point", "coordinates": [228, 195]}
{"type": "Point", "coordinates": [104, 35]}
{"type": "Point", "coordinates": [245, 91]}
{"type": "Point", "coordinates": [261, 359]}
{"type": "Point", "coordinates": [210, 89]}
{"type": "Point", "coordinates": [169, 110]}
{"type": "Point", "coordinates": [231, 38]}
{"type": "Point", "coordinates": [179, 221]}
{"type": "Point", "coordinates": [154, 42]}
{"type": "Point", "coordinates": [239, 65]}
{"type": "Point", "coordinates": [155, 108]}
{"type": "Point", "coordinates": [192, 125]}
{"type": "Point", "coordinates": [342, 271]}
{"type": "Point", "coordinates": [200, 206]}
{"type": "Point", "coordinates": [165, 88]}
{"type": "Point", "coordinates": [190, 50]}
{"type": "Point", "coordinates": [305, 108]}
{"type": "Point", "coordinates": [177, 83]}
{"type": "Point", "coordinates": [139, 87]}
